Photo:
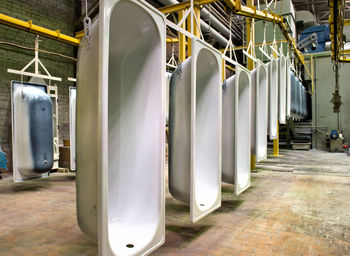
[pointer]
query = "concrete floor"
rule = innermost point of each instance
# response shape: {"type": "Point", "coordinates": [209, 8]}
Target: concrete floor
{"type": "Point", "coordinates": [301, 208]}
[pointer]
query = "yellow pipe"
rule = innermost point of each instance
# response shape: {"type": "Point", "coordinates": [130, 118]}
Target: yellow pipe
{"type": "Point", "coordinates": [250, 30]}
{"type": "Point", "coordinates": [172, 40]}
{"type": "Point", "coordinates": [30, 27]}
{"type": "Point", "coordinates": [182, 40]}
{"type": "Point", "coordinates": [229, 68]}
{"type": "Point", "coordinates": [223, 75]}
{"type": "Point", "coordinates": [250, 35]}
{"type": "Point", "coordinates": [345, 52]}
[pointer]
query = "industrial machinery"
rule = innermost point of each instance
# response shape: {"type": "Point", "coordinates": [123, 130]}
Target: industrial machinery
{"type": "Point", "coordinates": [336, 141]}
{"type": "Point", "coordinates": [314, 39]}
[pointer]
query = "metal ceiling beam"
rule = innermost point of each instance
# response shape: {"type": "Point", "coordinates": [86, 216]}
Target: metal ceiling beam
{"type": "Point", "coordinates": [251, 12]}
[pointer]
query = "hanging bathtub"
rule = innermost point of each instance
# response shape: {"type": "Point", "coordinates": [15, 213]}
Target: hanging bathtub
{"type": "Point", "coordinates": [72, 124]}
{"type": "Point", "coordinates": [300, 100]}
{"type": "Point", "coordinates": [288, 89]}
{"type": "Point", "coordinates": [167, 89]}
{"type": "Point", "coordinates": [32, 131]}
{"type": "Point", "coordinates": [259, 106]}
{"type": "Point", "coordinates": [195, 131]}
{"type": "Point", "coordinates": [237, 128]}
{"type": "Point", "coordinates": [121, 129]}
{"type": "Point", "coordinates": [303, 104]}
{"type": "Point", "coordinates": [282, 89]}
{"type": "Point", "coordinates": [294, 94]}
{"type": "Point", "coordinates": [273, 97]}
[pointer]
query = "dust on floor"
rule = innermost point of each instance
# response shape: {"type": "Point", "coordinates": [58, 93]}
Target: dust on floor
{"type": "Point", "coordinates": [302, 211]}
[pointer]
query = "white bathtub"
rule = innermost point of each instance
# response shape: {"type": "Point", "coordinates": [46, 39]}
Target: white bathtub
{"type": "Point", "coordinates": [259, 111]}
{"type": "Point", "coordinates": [72, 125]}
{"type": "Point", "coordinates": [121, 129]}
{"type": "Point", "coordinates": [236, 140]}
{"type": "Point", "coordinates": [282, 89]}
{"type": "Point", "coordinates": [288, 84]}
{"type": "Point", "coordinates": [32, 132]}
{"type": "Point", "coordinates": [195, 131]}
{"type": "Point", "coordinates": [273, 97]}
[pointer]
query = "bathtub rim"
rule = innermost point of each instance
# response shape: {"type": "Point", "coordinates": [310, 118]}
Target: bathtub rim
{"type": "Point", "coordinates": [197, 45]}
{"type": "Point", "coordinates": [240, 69]}
{"type": "Point", "coordinates": [260, 65]}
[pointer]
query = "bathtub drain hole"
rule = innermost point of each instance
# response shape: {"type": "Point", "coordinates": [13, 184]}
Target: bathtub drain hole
{"type": "Point", "coordinates": [201, 204]}
{"type": "Point", "coordinates": [130, 245]}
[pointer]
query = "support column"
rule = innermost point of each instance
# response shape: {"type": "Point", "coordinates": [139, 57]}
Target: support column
{"type": "Point", "coordinates": [182, 39]}
{"type": "Point", "coordinates": [195, 28]}
{"type": "Point", "coordinates": [250, 35]}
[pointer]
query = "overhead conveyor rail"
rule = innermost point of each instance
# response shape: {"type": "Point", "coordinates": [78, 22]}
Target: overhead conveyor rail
{"type": "Point", "coordinates": [235, 6]}
{"type": "Point", "coordinates": [246, 11]}
{"type": "Point", "coordinates": [30, 27]}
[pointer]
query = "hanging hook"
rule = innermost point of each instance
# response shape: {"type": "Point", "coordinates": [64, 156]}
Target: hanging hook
{"type": "Point", "coordinates": [87, 27]}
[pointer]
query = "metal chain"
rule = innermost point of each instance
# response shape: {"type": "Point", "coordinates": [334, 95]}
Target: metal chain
{"type": "Point", "coordinates": [336, 98]}
{"type": "Point", "coordinates": [87, 27]}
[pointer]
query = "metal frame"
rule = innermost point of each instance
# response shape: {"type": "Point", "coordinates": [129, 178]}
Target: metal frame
{"type": "Point", "coordinates": [246, 11]}
{"type": "Point", "coordinates": [52, 91]}
{"type": "Point", "coordinates": [37, 63]}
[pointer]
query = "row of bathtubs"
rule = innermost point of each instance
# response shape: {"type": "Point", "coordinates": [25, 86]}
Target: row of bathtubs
{"type": "Point", "coordinates": [214, 127]}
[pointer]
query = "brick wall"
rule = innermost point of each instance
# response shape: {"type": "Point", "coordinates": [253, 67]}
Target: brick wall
{"type": "Point", "coordinates": [52, 14]}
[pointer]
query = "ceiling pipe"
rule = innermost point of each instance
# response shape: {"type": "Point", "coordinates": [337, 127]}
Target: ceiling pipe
{"type": "Point", "coordinates": [212, 33]}
{"type": "Point", "coordinates": [206, 29]}
{"type": "Point", "coordinates": [225, 21]}
{"type": "Point", "coordinates": [206, 15]}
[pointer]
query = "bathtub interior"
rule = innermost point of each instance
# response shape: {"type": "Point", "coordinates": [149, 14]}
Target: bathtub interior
{"type": "Point", "coordinates": [273, 98]}
{"type": "Point", "coordinates": [228, 127]}
{"type": "Point", "coordinates": [136, 122]}
{"type": "Point", "coordinates": [261, 115]}
{"type": "Point", "coordinates": [72, 125]}
{"type": "Point", "coordinates": [32, 131]}
{"type": "Point", "coordinates": [242, 132]}
{"type": "Point", "coordinates": [207, 130]}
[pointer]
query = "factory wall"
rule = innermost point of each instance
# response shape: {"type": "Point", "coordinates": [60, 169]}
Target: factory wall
{"type": "Point", "coordinates": [324, 119]}
{"type": "Point", "coordinates": [49, 14]}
